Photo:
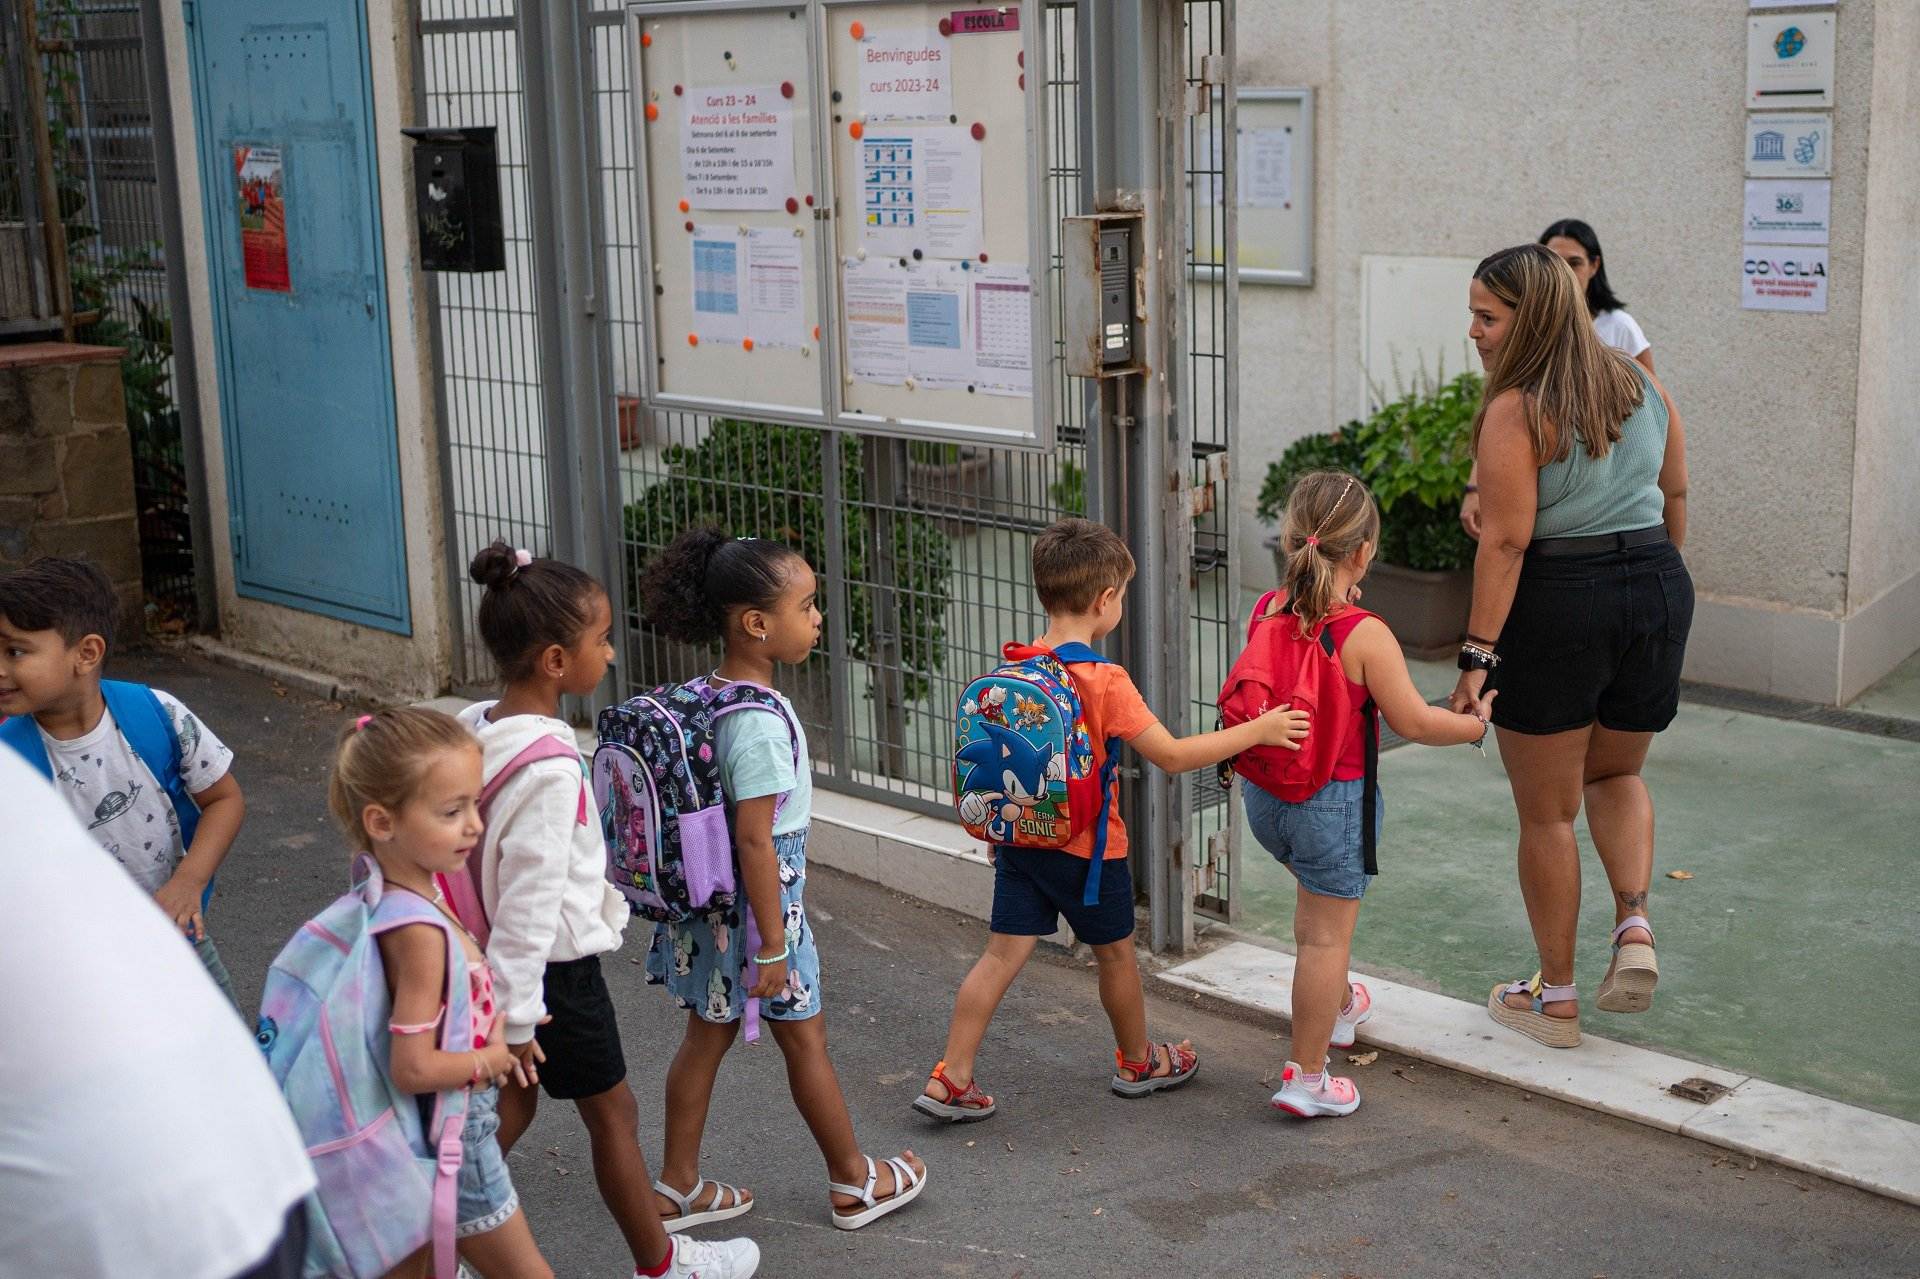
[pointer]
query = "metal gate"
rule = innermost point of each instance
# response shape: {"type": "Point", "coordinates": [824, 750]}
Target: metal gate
{"type": "Point", "coordinates": [922, 549]}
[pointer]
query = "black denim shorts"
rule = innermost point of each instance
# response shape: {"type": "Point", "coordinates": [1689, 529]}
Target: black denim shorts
{"type": "Point", "coordinates": [1595, 638]}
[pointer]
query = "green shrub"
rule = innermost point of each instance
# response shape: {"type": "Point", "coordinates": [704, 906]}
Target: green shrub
{"type": "Point", "coordinates": [756, 480]}
{"type": "Point", "coordinates": [1413, 454]}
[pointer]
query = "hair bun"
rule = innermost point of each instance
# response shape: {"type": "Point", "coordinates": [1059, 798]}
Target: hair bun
{"type": "Point", "coordinates": [493, 566]}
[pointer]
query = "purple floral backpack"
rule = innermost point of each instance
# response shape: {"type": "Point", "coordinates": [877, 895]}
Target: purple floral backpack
{"type": "Point", "coordinates": [656, 780]}
{"type": "Point", "coordinates": [387, 1163]}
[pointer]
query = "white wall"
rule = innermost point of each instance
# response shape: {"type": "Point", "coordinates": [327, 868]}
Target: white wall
{"type": "Point", "coordinates": [356, 656]}
{"type": "Point", "coordinates": [1451, 129]}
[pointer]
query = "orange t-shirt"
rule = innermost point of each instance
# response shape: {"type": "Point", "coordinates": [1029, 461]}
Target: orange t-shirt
{"type": "Point", "coordinates": [1112, 707]}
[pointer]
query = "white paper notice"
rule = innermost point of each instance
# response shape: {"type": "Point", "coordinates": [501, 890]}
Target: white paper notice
{"type": "Point", "coordinates": [949, 188]}
{"type": "Point", "coordinates": [1788, 210]}
{"type": "Point", "coordinates": [1783, 279]}
{"type": "Point", "coordinates": [889, 193]}
{"type": "Point", "coordinates": [776, 288]}
{"type": "Point", "coordinates": [905, 75]}
{"type": "Point", "coordinates": [938, 355]}
{"type": "Point", "coordinates": [1266, 168]}
{"type": "Point", "coordinates": [1003, 330]}
{"type": "Point", "coordinates": [736, 147]}
{"type": "Point", "coordinates": [874, 297]}
{"type": "Point", "coordinates": [718, 313]}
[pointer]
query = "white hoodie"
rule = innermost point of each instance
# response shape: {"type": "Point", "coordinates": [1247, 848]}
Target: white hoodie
{"type": "Point", "coordinates": [543, 876]}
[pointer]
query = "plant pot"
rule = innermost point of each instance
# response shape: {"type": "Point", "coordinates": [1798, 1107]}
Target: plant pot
{"type": "Point", "coordinates": [1426, 611]}
{"type": "Point", "coordinates": [951, 491]}
{"type": "Point", "coordinates": [628, 408]}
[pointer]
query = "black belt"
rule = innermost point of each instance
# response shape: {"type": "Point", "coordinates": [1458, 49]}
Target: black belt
{"type": "Point", "coordinates": [1599, 543]}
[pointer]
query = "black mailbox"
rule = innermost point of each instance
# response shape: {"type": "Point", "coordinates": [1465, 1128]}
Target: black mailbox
{"type": "Point", "coordinates": [456, 199]}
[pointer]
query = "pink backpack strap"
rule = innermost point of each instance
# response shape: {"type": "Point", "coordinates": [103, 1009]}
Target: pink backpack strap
{"type": "Point", "coordinates": [446, 1197]}
{"type": "Point", "coordinates": [463, 891]}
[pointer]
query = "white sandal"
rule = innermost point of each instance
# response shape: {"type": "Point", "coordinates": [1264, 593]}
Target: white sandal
{"type": "Point", "coordinates": [907, 1185]}
{"type": "Point", "coordinates": [728, 1203]}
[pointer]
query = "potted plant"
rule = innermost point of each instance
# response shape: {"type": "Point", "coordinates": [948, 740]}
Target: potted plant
{"type": "Point", "coordinates": [1413, 454]}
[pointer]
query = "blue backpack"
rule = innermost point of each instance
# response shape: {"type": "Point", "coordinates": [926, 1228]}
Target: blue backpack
{"type": "Point", "coordinates": [388, 1165]}
{"type": "Point", "coordinates": [148, 729]}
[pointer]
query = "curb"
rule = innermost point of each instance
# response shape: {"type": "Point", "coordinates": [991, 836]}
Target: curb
{"type": "Point", "coordinates": [319, 685]}
{"type": "Point", "coordinates": [1862, 1148]}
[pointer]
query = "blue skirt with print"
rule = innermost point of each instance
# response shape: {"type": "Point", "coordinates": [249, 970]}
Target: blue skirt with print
{"type": "Point", "coordinates": [699, 961]}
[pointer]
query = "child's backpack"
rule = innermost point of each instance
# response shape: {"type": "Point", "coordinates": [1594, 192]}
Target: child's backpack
{"type": "Point", "coordinates": [148, 729]}
{"type": "Point", "coordinates": [461, 888]}
{"type": "Point", "coordinates": [1023, 773]}
{"type": "Point", "coordinates": [388, 1165]}
{"type": "Point", "coordinates": [1279, 667]}
{"type": "Point", "coordinates": [656, 779]}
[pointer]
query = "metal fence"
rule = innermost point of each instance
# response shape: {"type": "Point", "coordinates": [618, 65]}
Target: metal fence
{"type": "Point", "coordinates": [108, 192]}
{"type": "Point", "coordinates": [922, 549]}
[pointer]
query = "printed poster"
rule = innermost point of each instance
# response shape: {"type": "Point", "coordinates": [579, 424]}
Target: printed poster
{"type": "Point", "coordinates": [718, 313]}
{"type": "Point", "coordinates": [905, 76]}
{"type": "Point", "coordinates": [259, 177]}
{"type": "Point", "coordinates": [1264, 162]}
{"type": "Point", "coordinates": [938, 356]}
{"type": "Point", "coordinates": [776, 287]}
{"type": "Point", "coordinates": [1790, 60]}
{"type": "Point", "coordinates": [1003, 330]}
{"type": "Point", "coordinates": [1782, 278]}
{"type": "Point", "coordinates": [873, 295]}
{"type": "Point", "coordinates": [1788, 211]}
{"type": "Point", "coordinates": [736, 147]}
{"type": "Point", "coordinates": [922, 190]}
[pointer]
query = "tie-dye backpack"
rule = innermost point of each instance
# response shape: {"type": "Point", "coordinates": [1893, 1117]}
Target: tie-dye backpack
{"type": "Point", "coordinates": [388, 1164]}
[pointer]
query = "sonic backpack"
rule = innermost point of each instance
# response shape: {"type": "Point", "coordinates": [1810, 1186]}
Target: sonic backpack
{"type": "Point", "coordinates": [387, 1162]}
{"type": "Point", "coordinates": [1023, 774]}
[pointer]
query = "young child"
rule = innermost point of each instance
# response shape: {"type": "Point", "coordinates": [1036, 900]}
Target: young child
{"type": "Point", "coordinates": [151, 783]}
{"type": "Point", "coordinates": [405, 787]}
{"type": "Point", "coordinates": [1080, 572]}
{"type": "Point", "coordinates": [1329, 533]}
{"type": "Point", "coordinates": [757, 598]}
{"type": "Point", "coordinates": [551, 910]}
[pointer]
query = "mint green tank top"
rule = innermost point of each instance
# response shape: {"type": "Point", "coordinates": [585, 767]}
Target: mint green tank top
{"type": "Point", "coordinates": [1582, 496]}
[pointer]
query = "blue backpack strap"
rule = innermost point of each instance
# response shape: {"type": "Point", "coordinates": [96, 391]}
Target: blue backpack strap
{"type": "Point", "coordinates": [22, 735]}
{"type": "Point", "coordinates": [149, 730]}
{"type": "Point", "coordinates": [1077, 652]}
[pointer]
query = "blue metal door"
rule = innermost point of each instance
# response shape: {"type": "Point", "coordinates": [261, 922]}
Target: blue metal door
{"type": "Point", "coordinates": [283, 99]}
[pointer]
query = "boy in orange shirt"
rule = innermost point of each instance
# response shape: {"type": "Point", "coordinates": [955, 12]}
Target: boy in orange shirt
{"type": "Point", "coordinates": [1080, 572]}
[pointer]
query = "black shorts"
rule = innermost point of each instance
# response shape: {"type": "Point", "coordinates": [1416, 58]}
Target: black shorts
{"type": "Point", "coordinates": [1595, 638]}
{"type": "Point", "coordinates": [1034, 887]}
{"type": "Point", "coordinates": [582, 1042]}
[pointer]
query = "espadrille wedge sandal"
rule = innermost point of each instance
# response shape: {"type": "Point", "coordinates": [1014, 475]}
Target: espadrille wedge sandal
{"type": "Point", "coordinates": [1532, 1021]}
{"type": "Point", "coordinates": [1634, 972]}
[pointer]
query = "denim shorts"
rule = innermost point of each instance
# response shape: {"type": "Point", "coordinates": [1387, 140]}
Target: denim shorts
{"type": "Point", "coordinates": [487, 1196]}
{"type": "Point", "coordinates": [1034, 887]}
{"type": "Point", "coordinates": [1319, 840]}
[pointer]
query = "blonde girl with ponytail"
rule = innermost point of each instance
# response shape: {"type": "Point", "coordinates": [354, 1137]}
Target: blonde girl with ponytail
{"type": "Point", "coordinates": [1329, 535]}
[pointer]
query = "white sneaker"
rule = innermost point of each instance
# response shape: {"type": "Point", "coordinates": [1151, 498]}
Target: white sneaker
{"type": "Point", "coordinates": [1336, 1095]}
{"type": "Point", "coordinates": [1359, 1008]}
{"type": "Point", "coordinates": [713, 1258]}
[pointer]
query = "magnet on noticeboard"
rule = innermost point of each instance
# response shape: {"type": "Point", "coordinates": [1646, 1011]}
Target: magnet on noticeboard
{"type": "Point", "coordinates": [653, 95]}
{"type": "Point", "coordinates": [805, 351]}
{"type": "Point", "coordinates": [855, 129]}
{"type": "Point", "coordinates": [746, 344]}
{"type": "Point", "coordinates": [786, 88]}
{"type": "Point", "coordinates": [659, 290]}
{"type": "Point", "coordinates": [983, 257]}
{"type": "Point", "coordinates": [728, 55]}
{"type": "Point", "coordinates": [946, 26]}
{"type": "Point", "coordinates": [834, 96]}
{"type": "Point", "coordinates": [953, 119]}
{"type": "Point", "coordinates": [965, 265]}
{"type": "Point", "coordinates": [809, 202]}
{"type": "Point", "coordinates": [685, 207]}
{"type": "Point", "coordinates": [1023, 80]}
{"type": "Point", "coordinates": [816, 333]}
{"type": "Point", "coordinates": [917, 255]}
{"type": "Point", "coordinates": [860, 255]}
{"type": "Point", "coordinates": [910, 384]}
{"type": "Point", "coordinates": [793, 205]}
{"type": "Point", "coordinates": [858, 31]}
{"type": "Point", "coordinates": [979, 131]}
{"type": "Point", "coordinates": [653, 112]}
{"type": "Point", "coordinates": [1021, 57]}
{"type": "Point", "coordinates": [646, 40]}
{"type": "Point", "coordinates": [903, 261]}
{"type": "Point", "coordinates": [742, 229]}
{"type": "Point", "coordinates": [799, 233]}
{"type": "Point", "coordinates": [679, 89]}
{"type": "Point", "coordinates": [693, 339]}
{"type": "Point", "coordinates": [689, 226]}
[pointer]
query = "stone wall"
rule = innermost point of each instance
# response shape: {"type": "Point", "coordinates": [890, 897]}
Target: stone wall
{"type": "Point", "coordinates": [66, 465]}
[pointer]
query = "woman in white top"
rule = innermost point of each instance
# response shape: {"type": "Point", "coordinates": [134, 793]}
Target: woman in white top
{"type": "Point", "coordinates": [1579, 248]}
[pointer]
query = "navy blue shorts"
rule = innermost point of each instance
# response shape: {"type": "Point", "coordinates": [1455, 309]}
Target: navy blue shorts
{"type": "Point", "coordinates": [1033, 887]}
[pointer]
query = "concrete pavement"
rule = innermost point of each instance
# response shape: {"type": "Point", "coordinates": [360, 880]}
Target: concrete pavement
{"type": "Point", "coordinates": [1438, 1174]}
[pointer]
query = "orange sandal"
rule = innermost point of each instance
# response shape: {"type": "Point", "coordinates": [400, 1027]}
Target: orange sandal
{"type": "Point", "coordinates": [1180, 1060]}
{"type": "Point", "coordinates": [962, 1106]}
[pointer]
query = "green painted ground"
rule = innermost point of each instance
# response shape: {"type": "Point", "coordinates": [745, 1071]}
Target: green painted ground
{"type": "Point", "coordinates": [1792, 954]}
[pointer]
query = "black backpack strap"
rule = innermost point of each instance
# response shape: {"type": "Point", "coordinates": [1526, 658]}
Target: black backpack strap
{"type": "Point", "coordinates": [1370, 788]}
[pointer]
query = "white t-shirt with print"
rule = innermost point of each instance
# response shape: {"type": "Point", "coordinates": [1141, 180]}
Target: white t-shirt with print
{"type": "Point", "coordinates": [119, 800]}
{"type": "Point", "coordinates": [1621, 332]}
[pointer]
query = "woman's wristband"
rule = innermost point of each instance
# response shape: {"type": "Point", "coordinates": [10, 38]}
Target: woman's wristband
{"type": "Point", "coordinates": [1471, 488]}
{"type": "Point", "coordinates": [780, 958]}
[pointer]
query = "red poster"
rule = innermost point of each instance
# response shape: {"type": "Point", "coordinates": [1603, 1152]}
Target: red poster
{"type": "Point", "coordinates": [258, 174]}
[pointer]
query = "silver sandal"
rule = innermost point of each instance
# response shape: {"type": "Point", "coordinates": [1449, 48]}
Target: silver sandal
{"type": "Point", "coordinates": [907, 1185]}
{"type": "Point", "coordinates": [728, 1203]}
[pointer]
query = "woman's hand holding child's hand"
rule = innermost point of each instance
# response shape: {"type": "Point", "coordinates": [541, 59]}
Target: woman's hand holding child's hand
{"type": "Point", "coordinates": [768, 980]}
{"type": "Point", "coordinates": [1283, 726]}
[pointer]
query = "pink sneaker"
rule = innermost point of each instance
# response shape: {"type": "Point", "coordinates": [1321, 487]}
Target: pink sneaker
{"type": "Point", "coordinates": [1336, 1094]}
{"type": "Point", "coordinates": [1359, 1008]}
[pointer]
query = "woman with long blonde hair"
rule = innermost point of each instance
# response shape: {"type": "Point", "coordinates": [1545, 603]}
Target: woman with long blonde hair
{"type": "Point", "coordinates": [1581, 607]}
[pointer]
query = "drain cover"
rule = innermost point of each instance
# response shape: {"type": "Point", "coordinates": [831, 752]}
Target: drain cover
{"type": "Point", "coordinates": [1698, 1089]}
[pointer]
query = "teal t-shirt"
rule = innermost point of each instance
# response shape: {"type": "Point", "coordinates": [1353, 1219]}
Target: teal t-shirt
{"type": "Point", "coordinates": [756, 758]}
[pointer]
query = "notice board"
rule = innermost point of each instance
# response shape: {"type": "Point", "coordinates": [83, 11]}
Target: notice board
{"type": "Point", "coordinates": [840, 207]}
{"type": "Point", "coordinates": [1273, 176]}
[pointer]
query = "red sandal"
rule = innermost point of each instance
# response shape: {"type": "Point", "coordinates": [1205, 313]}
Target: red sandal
{"type": "Point", "coordinates": [962, 1106]}
{"type": "Point", "coordinates": [1180, 1059]}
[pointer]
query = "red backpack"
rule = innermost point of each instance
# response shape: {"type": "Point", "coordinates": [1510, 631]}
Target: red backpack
{"type": "Point", "coordinates": [1279, 667]}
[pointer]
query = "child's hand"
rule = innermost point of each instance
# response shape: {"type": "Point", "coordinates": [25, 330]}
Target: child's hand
{"type": "Point", "coordinates": [498, 1059]}
{"type": "Point", "coordinates": [1483, 705]}
{"type": "Point", "coordinates": [1283, 726]}
{"type": "Point", "coordinates": [180, 898]}
{"type": "Point", "coordinates": [768, 980]}
{"type": "Point", "coordinates": [526, 1057]}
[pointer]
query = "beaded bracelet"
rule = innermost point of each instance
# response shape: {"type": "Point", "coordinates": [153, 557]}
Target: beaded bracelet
{"type": "Point", "coordinates": [780, 958]}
